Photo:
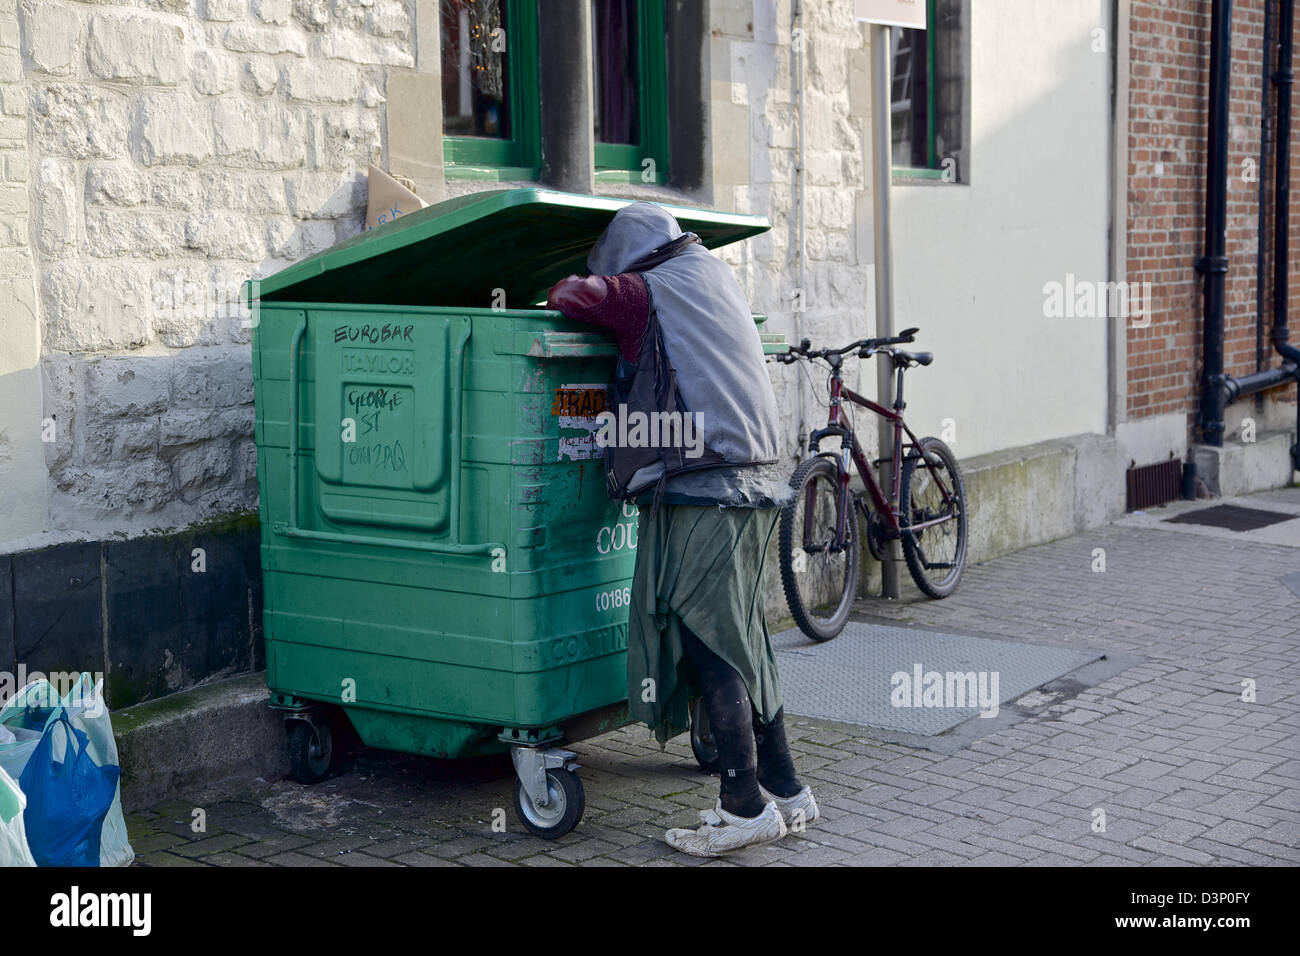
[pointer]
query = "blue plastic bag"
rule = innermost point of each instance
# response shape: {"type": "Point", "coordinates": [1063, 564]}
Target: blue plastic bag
{"type": "Point", "coordinates": [25, 715]}
{"type": "Point", "coordinates": [67, 799]}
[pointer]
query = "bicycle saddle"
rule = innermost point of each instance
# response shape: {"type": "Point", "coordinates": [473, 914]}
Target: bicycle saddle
{"type": "Point", "coordinates": [903, 357]}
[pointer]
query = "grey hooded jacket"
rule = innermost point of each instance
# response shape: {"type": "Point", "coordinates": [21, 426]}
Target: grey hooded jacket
{"type": "Point", "coordinates": [710, 338]}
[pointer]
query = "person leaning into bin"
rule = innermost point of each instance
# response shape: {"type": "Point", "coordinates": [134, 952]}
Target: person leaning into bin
{"type": "Point", "coordinates": [688, 346]}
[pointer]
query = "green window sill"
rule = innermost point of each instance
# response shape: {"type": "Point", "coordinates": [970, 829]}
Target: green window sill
{"type": "Point", "coordinates": [498, 174]}
{"type": "Point", "coordinates": [632, 176]}
{"type": "Point", "coordinates": [914, 172]}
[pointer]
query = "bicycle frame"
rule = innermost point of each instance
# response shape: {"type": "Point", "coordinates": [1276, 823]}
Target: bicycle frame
{"type": "Point", "coordinates": [838, 425]}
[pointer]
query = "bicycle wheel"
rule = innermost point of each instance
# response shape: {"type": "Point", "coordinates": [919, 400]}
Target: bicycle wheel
{"type": "Point", "coordinates": [820, 578]}
{"type": "Point", "coordinates": [935, 555]}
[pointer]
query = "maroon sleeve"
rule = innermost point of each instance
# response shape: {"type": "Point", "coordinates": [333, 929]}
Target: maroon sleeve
{"type": "Point", "coordinates": [618, 303]}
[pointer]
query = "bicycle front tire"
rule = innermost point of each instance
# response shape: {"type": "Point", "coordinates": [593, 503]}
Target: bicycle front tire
{"type": "Point", "coordinates": [820, 585]}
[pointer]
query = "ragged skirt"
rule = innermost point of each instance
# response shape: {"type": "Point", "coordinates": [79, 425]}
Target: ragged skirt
{"type": "Point", "coordinates": [702, 568]}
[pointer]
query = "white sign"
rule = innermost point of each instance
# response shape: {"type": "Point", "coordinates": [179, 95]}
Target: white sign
{"type": "Point", "coordinates": [891, 13]}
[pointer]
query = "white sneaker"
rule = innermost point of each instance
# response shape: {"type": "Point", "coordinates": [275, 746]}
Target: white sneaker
{"type": "Point", "coordinates": [728, 832]}
{"type": "Point", "coordinates": [801, 808]}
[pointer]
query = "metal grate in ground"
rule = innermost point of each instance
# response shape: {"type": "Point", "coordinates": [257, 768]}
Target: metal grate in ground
{"type": "Point", "coordinates": [1232, 517]}
{"type": "Point", "coordinates": [850, 678]}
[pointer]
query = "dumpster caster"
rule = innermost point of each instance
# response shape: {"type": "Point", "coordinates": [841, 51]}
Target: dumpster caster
{"type": "Point", "coordinates": [311, 748]}
{"type": "Point", "coordinates": [702, 745]}
{"type": "Point", "coordinates": [549, 799]}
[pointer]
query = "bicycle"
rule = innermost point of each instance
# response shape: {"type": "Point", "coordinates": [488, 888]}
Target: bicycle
{"type": "Point", "coordinates": [819, 545]}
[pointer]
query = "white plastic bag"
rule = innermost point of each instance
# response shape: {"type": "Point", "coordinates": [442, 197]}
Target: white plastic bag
{"type": "Point", "coordinates": [14, 755]}
{"type": "Point", "coordinates": [13, 836]}
{"type": "Point", "coordinates": [23, 717]}
{"type": "Point", "coordinates": [31, 706]}
{"type": "Point", "coordinates": [86, 710]}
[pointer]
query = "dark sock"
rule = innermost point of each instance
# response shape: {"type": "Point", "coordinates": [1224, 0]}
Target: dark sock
{"type": "Point", "coordinates": [740, 793]}
{"type": "Point", "coordinates": [775, 765]}
{"type": "Point", "coordinates": [726, 701]}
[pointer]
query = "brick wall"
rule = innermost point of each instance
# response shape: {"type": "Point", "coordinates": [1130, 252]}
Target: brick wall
{"type": "Point", "coordinates": [175, 148]}
{"type": "Point", "coordinates": [1168, 98]}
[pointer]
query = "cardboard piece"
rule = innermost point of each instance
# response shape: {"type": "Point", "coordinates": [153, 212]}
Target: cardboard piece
{"type": "Point", "coordinates": [388, 199]}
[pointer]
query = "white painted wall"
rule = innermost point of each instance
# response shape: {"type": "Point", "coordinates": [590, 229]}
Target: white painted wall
{"type": "Point", "coordinates": [23, 478]}
{"type": "Point", "coordinates": [971, 260]}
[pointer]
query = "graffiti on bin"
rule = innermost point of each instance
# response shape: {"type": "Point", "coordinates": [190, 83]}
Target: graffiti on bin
{"type": "Point", "coordinates": [379, 416]}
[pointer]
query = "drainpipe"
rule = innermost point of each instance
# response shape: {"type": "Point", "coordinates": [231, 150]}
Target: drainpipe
{"type": "Point", "coordinates": [1289, 372]}
{"type": "Point", "coordinates": [800, 52]}
{"type": "Point", "coordinates": [1214, 264]}
{"type": "Point", "coordinates": [882, 149]}
{"type": "Point", "coordinates": [1265, 138]}
{"type": "Point", "coordinates": [1284, 77]}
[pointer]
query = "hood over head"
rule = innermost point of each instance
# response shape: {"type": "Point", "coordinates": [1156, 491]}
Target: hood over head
{"type": "Point", "coordinates": [634, 232]}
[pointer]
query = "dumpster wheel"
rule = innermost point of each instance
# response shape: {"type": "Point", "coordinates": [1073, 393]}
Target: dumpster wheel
{"type": "Point", "coordinates": [554, 812]}
{"type": "Point", "coordinates": [566, 803]}
{"type": "Point", "coordinates": [311, 749]}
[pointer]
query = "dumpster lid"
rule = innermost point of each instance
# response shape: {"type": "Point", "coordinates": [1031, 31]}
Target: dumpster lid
{"type": "Point", "coordinates": [459, 251]}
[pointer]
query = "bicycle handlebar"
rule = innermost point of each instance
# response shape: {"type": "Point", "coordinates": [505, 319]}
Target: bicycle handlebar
{"type": "Point", "coordinates": [864, 347]}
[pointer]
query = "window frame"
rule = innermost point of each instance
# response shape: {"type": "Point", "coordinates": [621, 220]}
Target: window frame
{"type": "Point", "coordinates": [621, 162]}
{"type": "Point", "coordinates": [519, 157]}
{"type": "Point", "coordinates": [932, 169]}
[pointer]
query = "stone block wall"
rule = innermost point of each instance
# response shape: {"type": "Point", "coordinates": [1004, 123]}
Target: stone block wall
{"type": "Point", "coordinates": [760, 63]}
{"type": "Point", "coordinates": [171, 149]}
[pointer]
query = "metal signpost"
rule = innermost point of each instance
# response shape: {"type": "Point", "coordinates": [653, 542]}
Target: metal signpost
{"type": "Point", "coordinates": [884, 15]}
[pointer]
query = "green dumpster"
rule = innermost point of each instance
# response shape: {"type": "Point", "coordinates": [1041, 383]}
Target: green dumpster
{"type": "Point", "coordinates": [442, 569]}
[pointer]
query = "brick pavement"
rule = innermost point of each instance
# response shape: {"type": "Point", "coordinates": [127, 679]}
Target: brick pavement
{"type": "Point", "coordinates": [1184, 771]}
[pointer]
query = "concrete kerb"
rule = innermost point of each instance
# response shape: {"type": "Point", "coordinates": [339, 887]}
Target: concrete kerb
{"type": "Point", "coordinates": [184, 741]}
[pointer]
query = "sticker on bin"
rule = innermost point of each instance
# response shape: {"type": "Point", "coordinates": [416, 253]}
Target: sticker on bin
{"type": "Point", "coordinates": [576, 406]}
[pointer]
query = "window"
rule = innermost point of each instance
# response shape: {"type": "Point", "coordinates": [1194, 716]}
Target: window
{"type": "Point", "coordinates": [928, 95]}
{"type": "Point", "coordinates": [629, 90]}
{"type": "Point", "coordinates": [910, 105]}
{"type": "Point", "coordinates": [489, 87]}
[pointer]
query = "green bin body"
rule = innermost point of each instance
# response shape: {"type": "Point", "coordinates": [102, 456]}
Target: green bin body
{"type": "Point", "coordinates": [439, 556]}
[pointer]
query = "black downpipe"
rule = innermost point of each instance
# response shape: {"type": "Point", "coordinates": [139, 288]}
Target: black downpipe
{"type": "Point", "coordinates": [1219, 389]}
{"type": "Point", "coordinates": [1214, 264]}
{"type": "Point", "coordinates": [1284, 78]}
{"type": "Point", "coordinates": [1265, 140]}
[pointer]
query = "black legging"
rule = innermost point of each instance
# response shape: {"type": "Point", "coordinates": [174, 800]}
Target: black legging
{"type": "Point", "coordinates": [736, 726]}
